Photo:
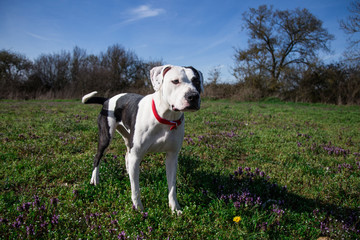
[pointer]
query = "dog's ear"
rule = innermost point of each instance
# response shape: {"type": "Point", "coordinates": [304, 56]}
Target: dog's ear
{"type": "Point", "coordinates": [157, 76]}
{"type": "Point", "coordinates": [201, 81]}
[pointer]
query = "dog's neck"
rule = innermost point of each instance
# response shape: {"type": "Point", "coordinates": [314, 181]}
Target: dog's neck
{"type": "Point", "coordinates": [164, 109]}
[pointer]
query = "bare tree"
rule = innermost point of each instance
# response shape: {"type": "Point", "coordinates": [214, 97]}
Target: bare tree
{"type": "Point", "coordinates": [53, 70]}
{"type": "Point", "coordinates": [215, 75]}
{"type": "Point", "coordinates": [14, 70]}
{"type": "Point", "coordinates": [278, 40]}
{"type": "Point", "coordinates": [351, 26]}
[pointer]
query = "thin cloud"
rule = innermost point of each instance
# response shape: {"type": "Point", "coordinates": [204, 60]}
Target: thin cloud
{"type": "Point", "coordinates": [37, 36]}
{"type": "Point", "coordinates": [141, 12]}
{"type": "Point", "coordinates": [137, 14]}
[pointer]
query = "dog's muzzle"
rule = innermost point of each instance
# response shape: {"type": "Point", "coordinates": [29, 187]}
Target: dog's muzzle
{"type": "Point", "coordinates": [193, 99]}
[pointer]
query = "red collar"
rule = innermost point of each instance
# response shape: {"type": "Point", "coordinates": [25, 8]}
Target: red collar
{"type": "Point", "coordinates": [174, 124]}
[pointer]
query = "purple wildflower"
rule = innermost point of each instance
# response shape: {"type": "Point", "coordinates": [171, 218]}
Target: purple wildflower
{"type": "Point", "coordinates": [278, 211]}
{"type": "Point", "coordinates": [315, 212]}
{"type": "Point", "coordinates": [44, 224]}
{"type": "Point", "coordinates": [258, 201]}
{"type": "Point", "coordinates": [122, 235]}
{"type": "Point", "coordinates": [55, 219]}
{"type": "Point", "coordinates": [54, 201]}
{"type": "Point", "coordinates": [42, 208]}
{"type": "Point", "coordinates": [26, 206]}
{"type": "Point", "coordinates": [16, 224]}
{"type": "Point", "coordinates": [30, 230]}
{"type": "Point", "coordinates": [263, 226]}
{"type": "Point", "coordinates": [145, 215]}
{"type": "Point", "coordinates": [323, 227]}
{"type": "Point", "coordinates": [36, 201]}
{"type": "Point", "coordinates": [239, 171]}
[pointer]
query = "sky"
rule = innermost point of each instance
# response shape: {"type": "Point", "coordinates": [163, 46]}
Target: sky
{"type": "Point", "coordinates": [199, 33]}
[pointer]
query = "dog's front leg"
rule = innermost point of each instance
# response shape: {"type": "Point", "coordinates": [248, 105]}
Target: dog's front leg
{"type": "Point", "coordinates": [133, 165]}
{"type": "Point", "coordinates": [171, 168]}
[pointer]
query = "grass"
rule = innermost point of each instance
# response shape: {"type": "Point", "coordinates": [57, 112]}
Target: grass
{"type": "Point", "coordinates": [290, 171]}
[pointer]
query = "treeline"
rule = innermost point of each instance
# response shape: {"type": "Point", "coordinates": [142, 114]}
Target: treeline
{"type": "Point", "coordinates": [73, 74]}
{"type": "Point", "coordinates": [336, 83]}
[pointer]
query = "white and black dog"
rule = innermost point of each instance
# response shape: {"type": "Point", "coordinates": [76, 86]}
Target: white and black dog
{"type": "Point", "coordinates": [151, 123]}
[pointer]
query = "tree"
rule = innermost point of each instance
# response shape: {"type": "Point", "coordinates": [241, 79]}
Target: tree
{"type": "Point", "coordinates": [118, 63]}
{"type": "Point", "coordinates": [53, 70]}
{"type": "Point", "coordinates": [215, 75]}
{"type": "Point", "coordinates": [14, 70]}
{"type": "Point", "coordinates": [351, 27]}
{"type": "Point", "coordinates": [277, 41]}
{"type": "Point", "coordinates": [77, 66]}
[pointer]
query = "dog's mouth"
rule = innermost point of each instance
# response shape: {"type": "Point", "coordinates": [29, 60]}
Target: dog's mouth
{"type": "Point", "coordinates": [190, 108]}
{"type": "Point", "coordinates": [174, 108]}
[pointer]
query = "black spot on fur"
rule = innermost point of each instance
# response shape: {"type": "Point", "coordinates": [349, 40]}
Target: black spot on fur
{"type": "Point", "coordinates": [126, 111]}
{"type": "Point", "coordinates": [196, 80]}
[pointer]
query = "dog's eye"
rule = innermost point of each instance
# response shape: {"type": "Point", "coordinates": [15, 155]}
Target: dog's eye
{"type": "Point", "coordinates": [175, 82]}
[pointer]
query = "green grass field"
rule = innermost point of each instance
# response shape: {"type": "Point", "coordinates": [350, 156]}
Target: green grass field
{"type": "Point", "coordinates": [289, 171]}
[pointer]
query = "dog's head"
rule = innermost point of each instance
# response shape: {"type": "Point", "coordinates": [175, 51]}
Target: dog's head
{"type": "Point", "coordinates": [179, 86]}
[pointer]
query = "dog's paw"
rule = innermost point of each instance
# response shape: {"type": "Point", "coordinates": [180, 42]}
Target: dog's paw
{"type": "Point", "coordinates": [177, 212]}
{"type": "Point", "coordinates": [138, 207]}
{"type": "Point", "coordinates": [95, 177]}
{"type": "Point", "coordinates": [94, 181]}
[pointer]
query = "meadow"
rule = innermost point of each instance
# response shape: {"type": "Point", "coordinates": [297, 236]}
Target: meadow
{"type": "Point", "coordinates": [247, 170]}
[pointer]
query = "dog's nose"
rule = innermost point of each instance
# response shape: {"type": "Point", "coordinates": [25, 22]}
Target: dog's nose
{"type": "Point", "coordinates": [192, 96]}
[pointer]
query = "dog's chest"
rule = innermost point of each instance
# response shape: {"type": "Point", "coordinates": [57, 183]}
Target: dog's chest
{"type": "Point", "coordinates": [163, 141]}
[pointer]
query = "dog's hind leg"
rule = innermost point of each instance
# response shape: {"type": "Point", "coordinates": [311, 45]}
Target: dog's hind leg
{"type": "Point", "coordinates": [106, 131]}
{"type": "Point", "coordinates": [126, 136]}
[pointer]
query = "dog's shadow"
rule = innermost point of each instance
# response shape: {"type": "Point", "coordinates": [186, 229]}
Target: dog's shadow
{"type": "Point", "coordinates": [254, 184]}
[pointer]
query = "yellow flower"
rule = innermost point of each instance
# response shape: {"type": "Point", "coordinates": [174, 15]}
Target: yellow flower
{"type": "Point", "coordinates": [237, 219]}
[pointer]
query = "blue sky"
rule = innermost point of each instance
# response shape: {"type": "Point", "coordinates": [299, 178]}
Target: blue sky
{"type": "Point", "coordinates": [198, 33]}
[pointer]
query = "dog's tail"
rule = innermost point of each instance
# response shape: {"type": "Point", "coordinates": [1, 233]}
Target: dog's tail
{"type": "Point", "coordinates": [90, 99]}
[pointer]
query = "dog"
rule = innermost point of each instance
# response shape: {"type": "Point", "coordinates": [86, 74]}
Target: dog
{"type": "Point", "coordinates": [151, 123]}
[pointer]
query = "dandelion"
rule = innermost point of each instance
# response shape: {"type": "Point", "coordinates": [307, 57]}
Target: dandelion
{"type": "Point", "coordinates": [237, 219]}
